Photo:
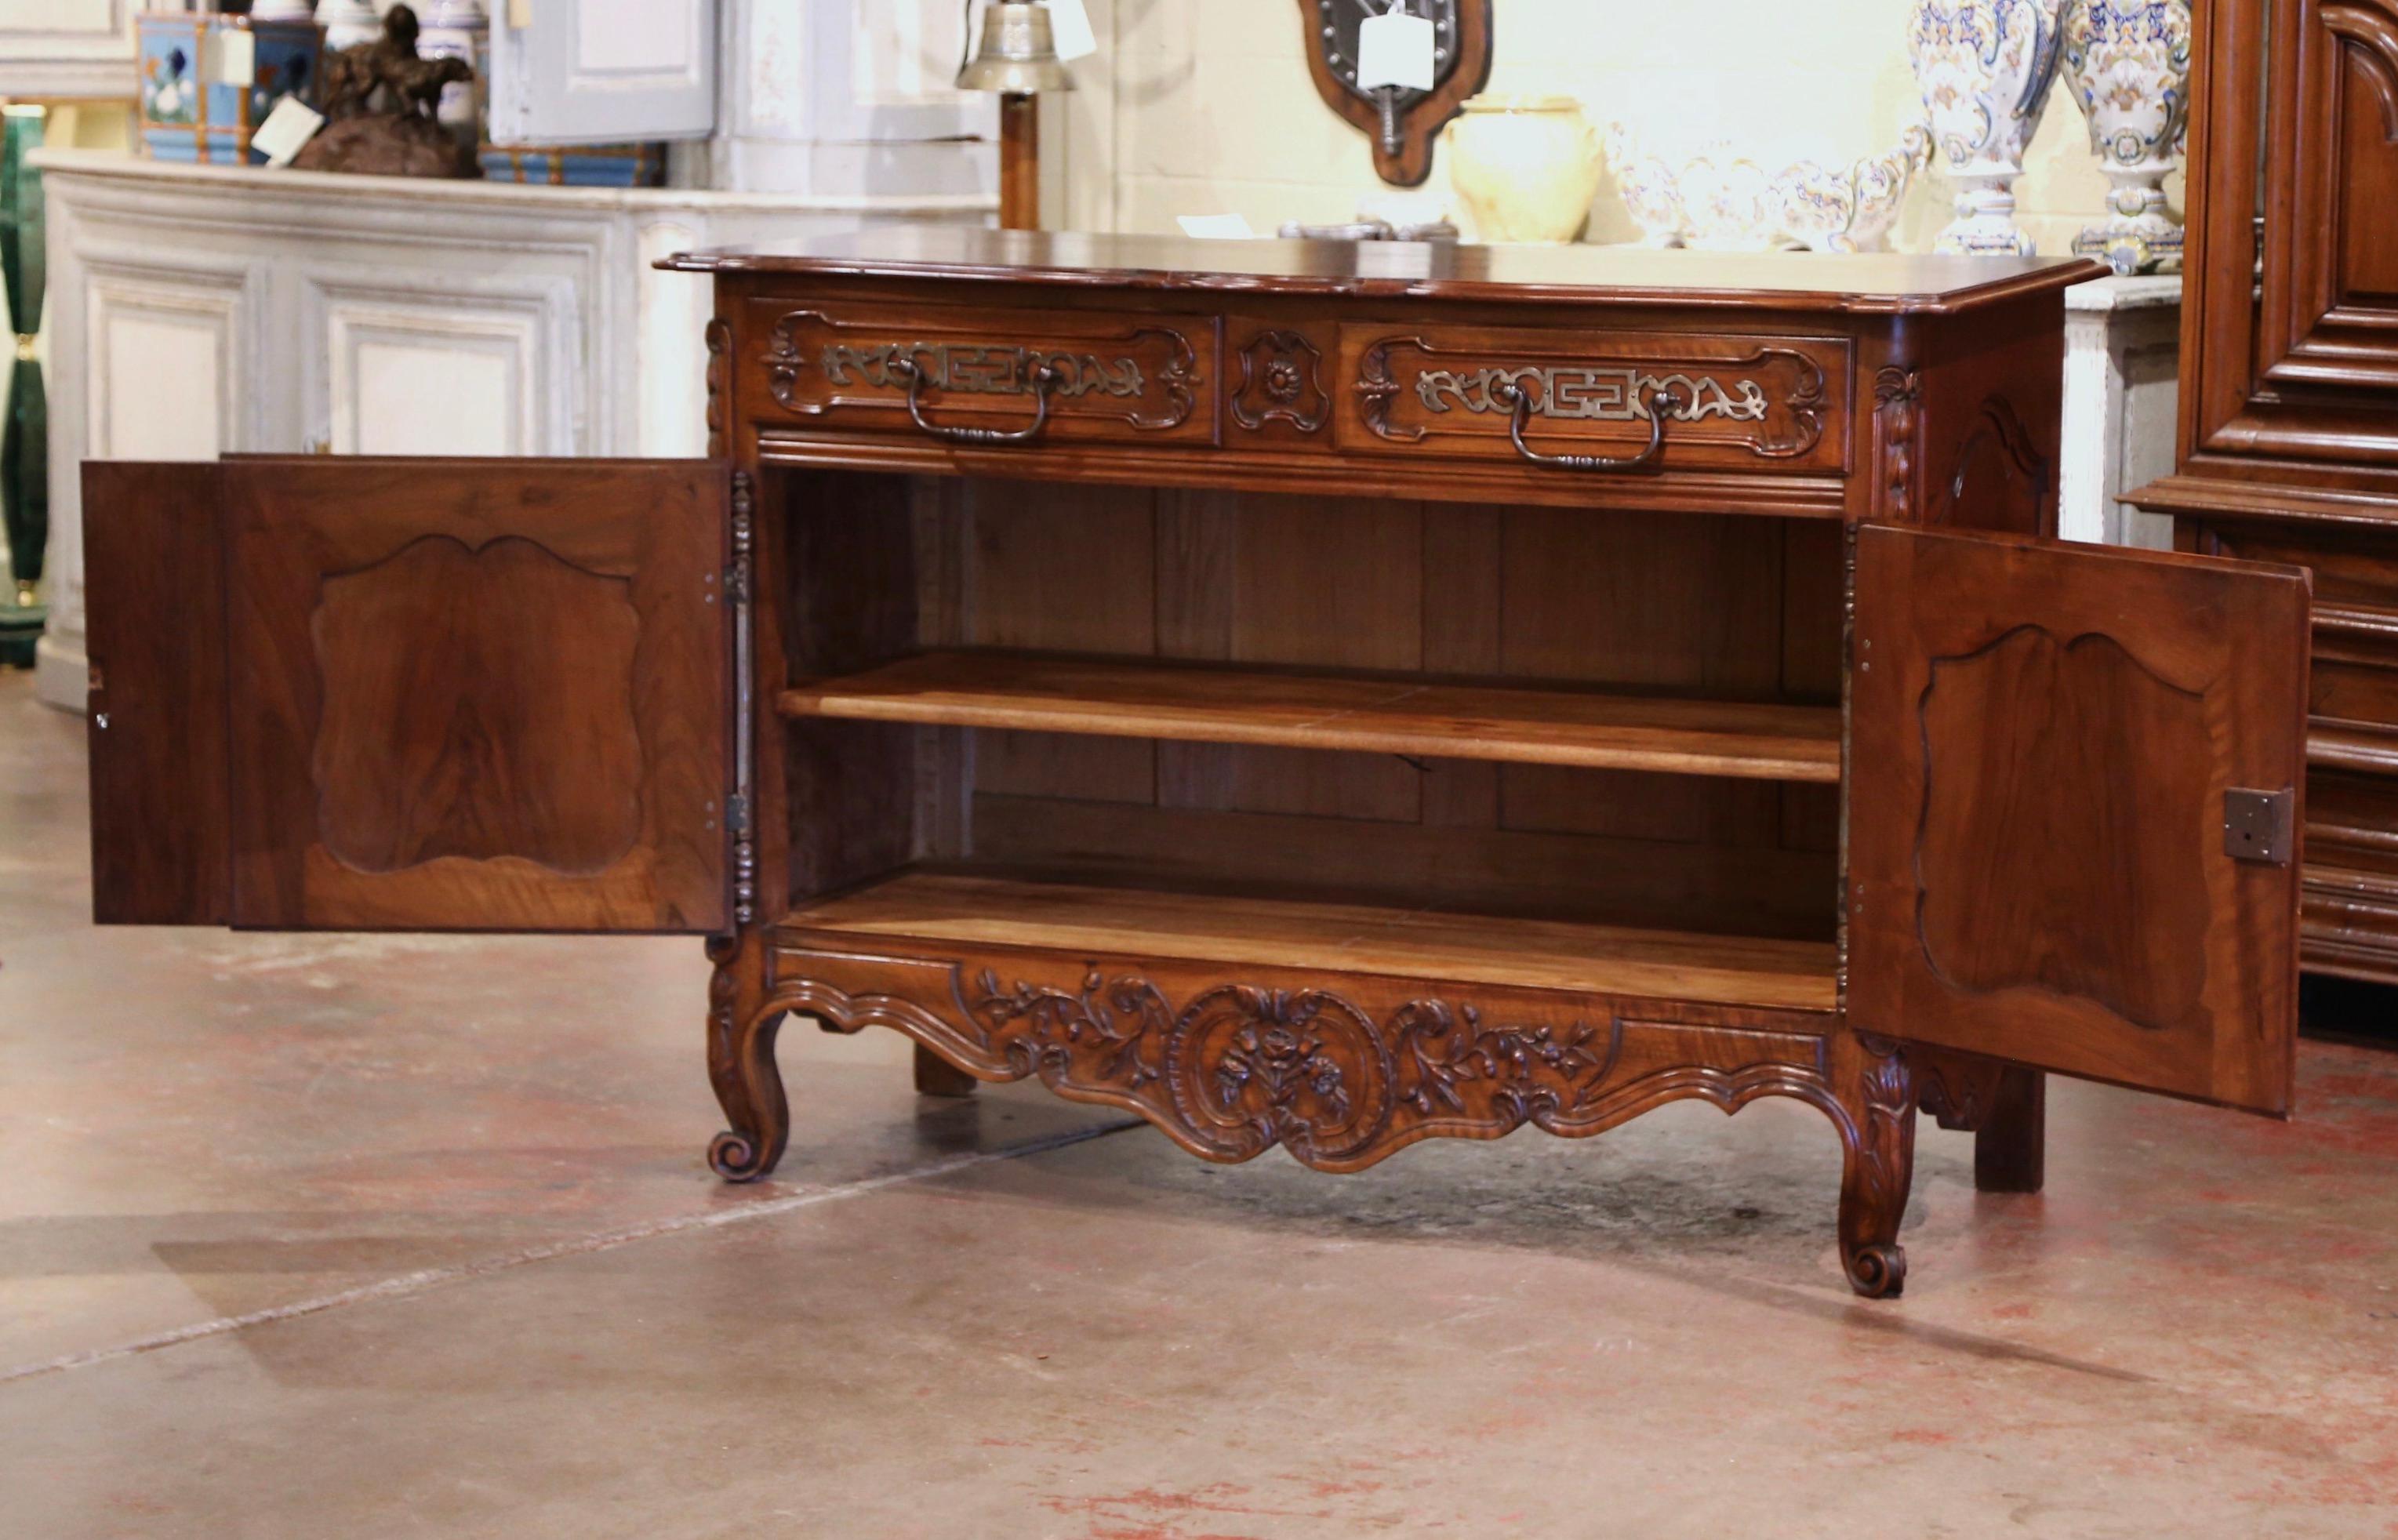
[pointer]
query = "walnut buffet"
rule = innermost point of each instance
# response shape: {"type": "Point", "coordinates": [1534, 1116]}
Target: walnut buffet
{"type": "Point", "coordinates": [1319, 695]}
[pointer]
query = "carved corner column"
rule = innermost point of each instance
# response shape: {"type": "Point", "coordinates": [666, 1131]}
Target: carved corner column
{"type": "Point", "coordinates": [741, 1027]}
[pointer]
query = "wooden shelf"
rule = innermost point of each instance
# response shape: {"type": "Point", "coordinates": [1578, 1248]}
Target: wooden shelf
{"type": "Point", "coordinates": [974, 909]}
{"type": "Point", "coordinates": [1208, 704]}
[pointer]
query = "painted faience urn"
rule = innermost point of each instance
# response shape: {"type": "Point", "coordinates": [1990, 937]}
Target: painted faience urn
{"type": "Point", "coordinates": [2127, 62]}
{"type": "Point", "coordinates": [1713, 198]}
{"type": "Point", "coordinates": [1849, 207]}
{"type": "Point", "coordinates": [1984, 68]}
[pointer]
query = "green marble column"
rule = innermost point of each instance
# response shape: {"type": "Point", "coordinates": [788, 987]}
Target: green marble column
{"type": "Point", "coordinates": [25, 437]}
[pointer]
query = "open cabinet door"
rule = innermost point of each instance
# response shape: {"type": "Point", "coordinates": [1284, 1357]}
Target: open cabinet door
{"type": "Point", "coordinates": [2075, 777]}
{"type": "Point", "coordinates": [423, 695]}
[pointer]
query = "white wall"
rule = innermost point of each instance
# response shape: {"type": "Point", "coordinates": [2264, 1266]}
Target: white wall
{"type": "Point", "coordinates": [1211, 108]}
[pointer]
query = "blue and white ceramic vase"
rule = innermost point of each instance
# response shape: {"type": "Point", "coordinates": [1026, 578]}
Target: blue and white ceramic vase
{"type": "Point", "coordinates": [2127, 62]}
{"type": "Point", "coordinates": [185, 113]}
{"type": "Point", "coordinates": [1984, 68]}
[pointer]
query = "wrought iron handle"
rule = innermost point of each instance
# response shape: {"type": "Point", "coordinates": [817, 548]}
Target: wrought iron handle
{"type": "Point", "coordinates": [1661, 405]}
{"type": "Point", "coordinates": [1044, 378]}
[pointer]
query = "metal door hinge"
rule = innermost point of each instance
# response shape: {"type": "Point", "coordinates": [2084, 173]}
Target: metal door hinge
{"type": "Point", "coordinates": [2259, 826]}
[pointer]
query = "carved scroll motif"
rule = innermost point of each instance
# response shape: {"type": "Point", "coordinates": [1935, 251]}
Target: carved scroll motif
{"type": "Point", "coordinates": [1594, 393]}
{"type": "Point", "coordinates": [1779, 391]}
{"type": "Point", "coordinates": [1238, 1068]}
{"type": "Point", "coordinates": [1378, 389]}
{"type": "Point", "coordinates": [984, 370]}
{"type": "Point", "coordinates": [1164, 372]}
{"type": "Point", "coordinates": [1342, 1080]}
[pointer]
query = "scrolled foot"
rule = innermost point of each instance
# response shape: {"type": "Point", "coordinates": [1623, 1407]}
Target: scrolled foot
{"type": "Point", "coordinates": [1876, 1093]}
{"type": "Point", "coordinates": [741, 1062]}
{"type": "Point", "coordinates": [1877, 1272]}
{"type": "Point", "coordinates": [735, 1157]}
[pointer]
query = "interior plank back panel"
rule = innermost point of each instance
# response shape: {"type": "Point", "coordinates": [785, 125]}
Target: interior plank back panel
{"type": "Point", "coordinates": [1118, 576]}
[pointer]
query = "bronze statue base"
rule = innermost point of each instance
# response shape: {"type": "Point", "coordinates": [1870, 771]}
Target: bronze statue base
{"type": "Point", "coordinates": [391, 145]}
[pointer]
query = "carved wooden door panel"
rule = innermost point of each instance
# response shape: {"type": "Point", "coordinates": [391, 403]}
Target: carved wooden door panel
{"type": "Point", "coordinates": [468, 694]}
{"type": "Point", "coordinates": [2305, 147]}
{"type": "Point", "coordinates": [2074, 785]}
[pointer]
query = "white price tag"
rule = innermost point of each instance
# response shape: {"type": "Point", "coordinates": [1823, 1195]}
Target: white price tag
{"type": "Point", "coordinates": [1394, 49]}
{"type": "Point", "coordinates": [1070, 25]}
{"type": "Point", "coordinates": [520, 14]}
{"type": "Point", "coordinates": [1216, 227]}
{"type": "Point", "coordinates": [291, 125]}
{"type": "Point", "coordinates": [235, 57]}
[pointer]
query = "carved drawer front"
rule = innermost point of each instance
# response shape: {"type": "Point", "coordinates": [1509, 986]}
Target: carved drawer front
{"type": "Point", "coordinates": [986, 377]}
{"type": "Point", "coordinates": [1769, 404]}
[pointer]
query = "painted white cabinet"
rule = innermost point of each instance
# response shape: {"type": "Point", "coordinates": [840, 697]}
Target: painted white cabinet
{"type": "Point", "coordinates": [2122, 393]}
{"type": "Point", "coordinates": [196, 310]}
{"type": "Point", "coordinates": [598, 72]}
{"type": "Point", "coordinates": [66, 49]}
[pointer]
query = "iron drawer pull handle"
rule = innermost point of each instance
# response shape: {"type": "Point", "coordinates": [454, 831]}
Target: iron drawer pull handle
{"type": "Point", "coordinates": [1044, 379]}
{"type": "Point", "coordinates": [1661, 405]}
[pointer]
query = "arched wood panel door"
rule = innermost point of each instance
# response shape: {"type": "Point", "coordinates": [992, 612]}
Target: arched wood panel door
{"type": "Point", "coordinates": [401, 693]}
{"type": "Point", "coordinates": [2075, 787]}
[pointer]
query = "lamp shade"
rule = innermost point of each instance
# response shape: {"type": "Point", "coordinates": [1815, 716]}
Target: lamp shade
{"type": "Point", "coordinates": [1018, 55]}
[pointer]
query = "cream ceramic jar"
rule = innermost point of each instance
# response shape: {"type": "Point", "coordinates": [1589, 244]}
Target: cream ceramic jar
{"type": "Point", "coordinates": [1525, 168]}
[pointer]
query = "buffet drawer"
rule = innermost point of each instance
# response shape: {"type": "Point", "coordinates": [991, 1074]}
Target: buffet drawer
{"type": "Point", "coordinates": [1120, 377]}
{"type": "Point", "coordinates": [1772, 404]}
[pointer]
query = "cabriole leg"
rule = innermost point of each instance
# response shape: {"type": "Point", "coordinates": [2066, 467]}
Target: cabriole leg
{"type": "Point", "coordinates": [936, 1076]}
{"type": "Point", "coordinates": [741, 1061]}
{"type": "Point", "coordinates": [2010, 1149]}
{"type": "Point", "coordinates": [1878, 1140]}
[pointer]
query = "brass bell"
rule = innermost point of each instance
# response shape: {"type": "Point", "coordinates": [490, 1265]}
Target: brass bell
{"type": "Point", "coordinates": [1018, 55]}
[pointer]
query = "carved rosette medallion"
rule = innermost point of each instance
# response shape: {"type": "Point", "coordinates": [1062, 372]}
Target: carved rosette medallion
{"type": "Point", "coordinates": [1281, 381]}
{"type": "Point", "coordinates": [1146, 377]}
{"type": "Point", "coordinates": [1771, 401]}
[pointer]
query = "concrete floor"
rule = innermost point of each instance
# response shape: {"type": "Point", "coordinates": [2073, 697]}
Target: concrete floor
{"type": "Point", "coordinates": [341, 1236]}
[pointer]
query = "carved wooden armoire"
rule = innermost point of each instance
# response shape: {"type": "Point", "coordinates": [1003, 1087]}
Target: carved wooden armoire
{"type": "Point", "coordinates": [1324, 696]}
{"type": "Point", "coordinates": [2289, 407]}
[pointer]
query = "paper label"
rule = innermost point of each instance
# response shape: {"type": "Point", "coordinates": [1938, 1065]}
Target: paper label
{"type": "Point", "coordinates": [291, 125]}
{"type": "Point", "coordinates": [1216, 227]}
{"type": "Point", "coordinates": [1070, 25]}
{"type": "Point", "coordinates": [1394, 49]}
{"type": "Point", "coordinates": [235, 57]}
{"type": "Point", "coordinates": [520, 14]}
